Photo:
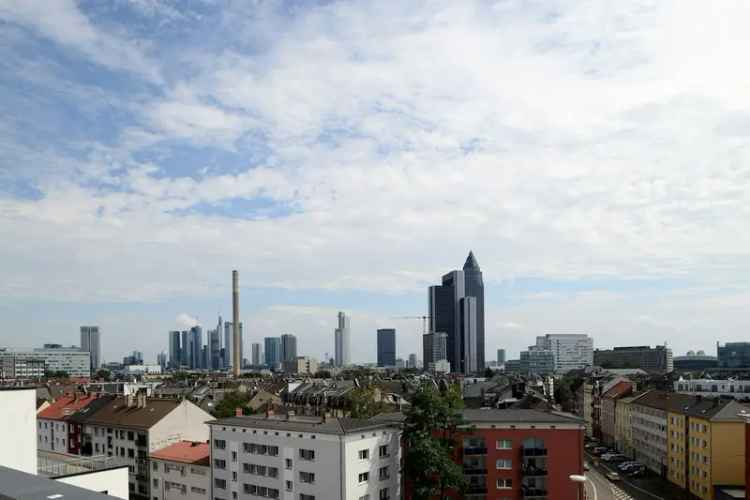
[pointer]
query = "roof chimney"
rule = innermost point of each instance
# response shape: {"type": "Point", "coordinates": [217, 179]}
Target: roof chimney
{"type": "Point", "coordinates": [238, 412]}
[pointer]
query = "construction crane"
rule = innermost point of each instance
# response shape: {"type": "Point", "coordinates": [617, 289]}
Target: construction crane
{"type": "Point", "coordinates": [423, 318]}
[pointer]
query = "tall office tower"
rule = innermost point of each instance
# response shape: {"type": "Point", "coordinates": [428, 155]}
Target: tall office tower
{"type": "Point", "coordinates": [255, 354]}
{"type": "Point", "coordinates": [161, 360]}
{"type": "Point", "coordinates": [288, 347]}
{"type": "Point", "coordinates": [434, 348]}
{"type": "Point", "coordinates": [500, 356]}
{"type": "Point", "coordinates": [185, 349]}
{"type": "Point", "coordinates": [90, 342]}
{"type": "Point", "coordinates": [229, 343]}
{"type": "Point", "coordinates": [236, 335]}
{"type": "Point", "coordinates": [412, 362]}
{"type": "Point", "coordinates": [273, 352]}
{"type": "Point", "coordinates": [342, 337]}
{"type": "Point", "coordinates": [571, 351]}
{"type": "Point", "coordinates": [196, 347]}
{"type": "Point", "coordinates": [214, 350]}
{"type": "Point", "coordinates": [457, 308]}
{"type": "Point", "coordinates": [174, 350]}
{"type": "Point", "coordinates": [386, 347]}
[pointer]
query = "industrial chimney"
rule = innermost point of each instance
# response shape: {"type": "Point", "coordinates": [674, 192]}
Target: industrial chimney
{"type": "Point", "coordinates": [236, 359]}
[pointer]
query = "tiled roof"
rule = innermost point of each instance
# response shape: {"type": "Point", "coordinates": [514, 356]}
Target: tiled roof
{"type": "Point", "coordinates": [338, 426]}
{"type": "Point", "coordinates": [118, 413]}
{"type": "Point", "coordinates": [189, 452]}
{"type": "Point", "coordinates": [662, 400]}
{"type": "Point", "coordinates": [66, 406]}
{"type": "Point", "coordinates": [620, 389]}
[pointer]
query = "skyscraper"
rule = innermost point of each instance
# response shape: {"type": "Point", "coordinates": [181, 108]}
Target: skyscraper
{"type": "Point", "coordinates": [342, 337]}
{"type": "Point", "coordinates": [273, 352]}
{"type": "Point", "coordinates": [196, 347]}
{"type": "Point", "coordinates": [255, 354]}
{"type": "Point", "coordinates": [456, 307]}
{"type": "Point", "coordinates": [288, 347]}
{"type": "Point", "coordinates": [90, 342]}
{"type": "Point", "coordinates": [185, 349]}
{"type": "Point", "coordinates": [214, 350]}
{"type": "Point", "coordinates": [412, 362]}
{"type": "Point", "coordinates": [386, 347]}
{"type": "Point", "coordinates": [229, 344]}
{"type": "Point", "coordinates": [175, 354]}
{"type": "Point", "coordinates": [501, 356]}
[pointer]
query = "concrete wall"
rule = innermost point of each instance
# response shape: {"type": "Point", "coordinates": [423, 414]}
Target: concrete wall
{"type": "Point", "coordinates": [187, 422]}
{"type": "Point", "coordinates": [18, 429]}
{"type": "Point", "coordinates": [113, 482]}
{"type": "Point", "coordinates": [353, 466]}
{"type": "Point", "coordinates": [728, 453]}
{"type": "Point", "coordinates": [170, 479]}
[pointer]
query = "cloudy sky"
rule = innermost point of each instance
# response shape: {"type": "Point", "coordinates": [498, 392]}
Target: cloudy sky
{"type": "Point", "coordinates": [344, 155]}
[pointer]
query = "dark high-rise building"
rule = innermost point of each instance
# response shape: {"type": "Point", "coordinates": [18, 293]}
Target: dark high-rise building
{"type": "Point", "coordinates": [174, 350]}
{"type": "Point", "coordinates": [215, 362]}
{"type": "Point", "coordinates": [185, 349]}
{"type": "Point", "coordinates": [196, 347]}
{"type": "Point", "coordinates": [434, 348]}
{"type": "Point", "coordinates": [272, 349]}
{"type": "Point", "coordinates": [386, 347]}
{"type": "Point", "coordinates": [91, 343]}
{"type": "Point", "coordinates": [456, 307]}
{"type": "Point", "coordinates": [733, 355]}
{"type": "Point", "coordinates": [288, 347]}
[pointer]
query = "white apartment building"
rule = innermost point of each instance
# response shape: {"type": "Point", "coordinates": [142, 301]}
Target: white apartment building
{"type": "Point", "coordinates": [20, 367]}
{"type": "Point", "coordinates": [305, 458]}
{"type": "Point", "coordinates": [570, 351]}
{"type": "Point", "coordinates": [53, 430]}
{"type": "Point", "coordinates": [135, 426]}
{"type": "Point", "coordinates": [181, 471]}
{"type": "Point", "coordinates": [737, 389]}
{"type": "Point", "coordinates": [70, 360]}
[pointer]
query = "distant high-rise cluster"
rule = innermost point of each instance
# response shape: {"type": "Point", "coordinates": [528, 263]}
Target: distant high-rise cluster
{"type": "Point", "coordinates": [342, 338]}
{"type": "Point", "coordinates": [188, 351]}
{"type": "Point", "coordinates": [456, 308]}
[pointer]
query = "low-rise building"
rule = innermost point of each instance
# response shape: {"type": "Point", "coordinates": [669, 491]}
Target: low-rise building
{"type": "Point", "coordinates": [301, 365]}
{"type": "Point", "coordinates": [14, 367]}
{"type": "Point", "coordinates": [54, 433]}
{"type": "Point", "coordinates": [306, 458]}
{"type": "Point", "coordinates": [695, 361]}
{"type": "Point", "coordinates": [181, 471]}
{"type": "Point", "coordinates": [651, 359]}
{"type": "Point", "coordinates": [537, 361]}
{"type": "Point", "coordinates": [737, 389]}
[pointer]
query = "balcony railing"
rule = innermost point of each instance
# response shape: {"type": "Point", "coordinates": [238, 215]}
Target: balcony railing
{"type": "Point", "coordinates": [474, 469]}
{"type": "Point", "coordinates": [476, 489]}
{"type": "Point", "coordinates": [57, 464]}
{"type": "Point", "coordinates": [533, 493]}
{"type": "Point", "coordinates": [535, 452]}
{"type": "Point", "coordinates": [530, 471]}
{"type": "Point", "coordinates": [475, 451]}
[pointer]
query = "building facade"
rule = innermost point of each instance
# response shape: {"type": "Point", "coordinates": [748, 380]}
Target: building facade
{"type": "Point", "coordinates": [229, 344]}
{"type": "Point", "coordinates": [342, 341]}
{"type": "Point", "coordinates": [651, 359]}
{"type": "Point", "coordinates": [733, 355]}
{"type": "Point", "coordinates": [21, 367]}
{"type": "Point", "coordinates": [434, 347]}
{"type": "Point", "coordinates": [181, 471]}
{"type": "Point", "coordinates": [272, 349]}
{"type": "Point", "coordinates": [608, 413]}
{"type": "Point", "coordinates": [624, 426]}
{"type": "Point", "coordinates": [255, 359]}
{"type": "Point", "coordinates": [288, 348]}
{"type": "Point", "coordinates": [736, 389]}
{"type": "Point", "coordinates": [537, 361]}
{"type": "Point", "coordinates": [70, 360]}
{"type": "Point", "coordinates": [571, 351]}
{"type": "Point", "coordinates": [291, 457]}
{"type": "Point", "coordinates": [91, 343]}
{"type": "Point", "coordinates": [302, 365]}
{"type": "Point", "coordinates": [500, 356]}
{"type": "Point", "coordinates": [386, 347]}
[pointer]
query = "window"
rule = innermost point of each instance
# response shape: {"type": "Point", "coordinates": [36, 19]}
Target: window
{"type": "Point", "coordinates": [504, 463]}
{"type": "Point", "coordinates": [306, 477]}
{"type": "Point", "coordinates": [384, 494]}
{"type": "Point", "coordinates": [220, 464]}
{"type": "Point", "coordinates": [156, 466]}
{"type": "Point", "coordinates": [200, 491]}
{"type": "Point", "coordinates": [364, 454]}
{"type": "Point", "coordinates": [156, 483]}
{"type": "Point", "coordinates": [504, 444]}
{"type": "Point", "coordinates": [302, 496]}
{"type": "Point", "coordinates": [273, 472]}
{"type": "Point", "coordinates": [383, 451]}
{"type": "Point", "coordinates": [131, 437]}
{"type": "Point", "coordinates": [220, 483]}
{"type": "Point", "coordinates": [288, 463]}
{"type": "Point", "coordinates": [289, 486]}
{"type": "Point", "coordinates": [234, 456]}
{"type": "Point", "coordinates": [365, 497]}
{"type": "Point", "coordinates": [383, 474]}
{"type": "Point", "coordinates": [220, 444]}
{"type": "Point", "coordinates": [250, 489]}
{"type": "Point", "coordinates": [504, 484]}
{"type": "Point", "coordinates": [234, 476]}
{"type": "Point", "coordinates": [307, 454]}
{"type": "Point", "coordinates": [273, 451]}
{"type": "Point", "coordinates": [364, 477]}
{"type": "Point", "coordinates": [131, 453]}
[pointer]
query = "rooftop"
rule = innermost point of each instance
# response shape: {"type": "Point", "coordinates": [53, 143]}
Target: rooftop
{"type": "Point", "coordinates": [331, 425]}
{"type": "Point", "coordinates": [17, 485]}
{"type": "Point", "coordinates": [188, 452]}
{"type": "Point", "coordinates": [512, 416]}
{"type": "Point", "coordinates": [57, 465]}
{"type": "Point", "coordinates": [66, 406]}
{"type": "Point", "coordinates": [118, 413]}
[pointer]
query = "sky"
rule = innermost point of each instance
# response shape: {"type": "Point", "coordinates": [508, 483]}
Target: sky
{"type": "Point", "coordinates": [343, 155]}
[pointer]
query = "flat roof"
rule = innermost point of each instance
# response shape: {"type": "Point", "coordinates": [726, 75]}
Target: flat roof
{"type": "Point", "coordinates": [332, 425]}
{"type": "Point", "coordinates": [17, 485]}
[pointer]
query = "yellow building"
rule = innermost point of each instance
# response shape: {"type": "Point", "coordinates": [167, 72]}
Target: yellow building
{"type": "Point", "coordinates": [715, 446]}
{"type": "Point", "coordinates": [677, 458]}
{"type": "Point", "coordinates": [623, 426]}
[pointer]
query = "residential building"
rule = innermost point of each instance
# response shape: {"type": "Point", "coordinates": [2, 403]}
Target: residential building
{"type": "Point", "coordinates": [734, 355]}
{"type": "Point", "coordinates": [255, 353]}
{"type": "Point", "coordinates": [91, 343]}
{"type": "Point", "coordinates": [301, 365]}
{"type": "Point", "coordinates": [342, 340]}
{"type": "Point", "coordinates": [273, 352]}
{"type": "Point", "coordinates": [133, 427]}
{"type": "Point", "coordinates": [537, 361]}
{"type": "Point", "coordinates": [22, 366]}
{"type": "Point", "coordinates": [695, 361]}
{"type": "Point", "coordinates": [70, 360]}
{"type": "Point", "coordinates": [53, 432]}
{"type": "Point", "coordinates": [181, 471]}
{"type": "Point", "coordinates": [736, 389]}
{"type": "Point", "coordinates": [456, 307]}
{"type": "Point", "coordinates": [518, 454]}
{"type": "Point", "coordinates": [386, 347]}
{"type": "Point", "coordinates": [291, 457]}
{"type": "Point", "coordinates": [571, 351]}
{"type": "Point", "coordinates": [288, 348]}
{"type": "Point", "coordinates": [229, 344]}
{"type": "Point", "coordinates": [608, 409]}
{"type": "Point", "coordinates": [677, 447]}
{"type": "Point", "coordinates": [624, 426]}
{"type": "Point", "coordinates": [651, 359]}
{"type": "Point", "coordinates": [434, 347]}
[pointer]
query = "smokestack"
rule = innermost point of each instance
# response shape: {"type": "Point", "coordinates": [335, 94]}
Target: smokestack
{"type": "Point", "coordinates": [236, 360]}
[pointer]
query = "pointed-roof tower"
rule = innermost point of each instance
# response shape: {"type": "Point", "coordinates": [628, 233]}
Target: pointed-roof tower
{"type": "Point", "coordinates": [471, 262]}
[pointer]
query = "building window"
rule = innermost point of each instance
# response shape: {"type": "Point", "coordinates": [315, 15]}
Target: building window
{"type": "Point", "coordinates": [364, 477]}
{"type": "Point", "coordinates": [384, 494]}
{"type": "Point", "coordinates": [220, 483]}
{"type": "Point", "coordinates": [273, 451]}
{"type": "Point", "coordinates": [307, 454]}
{"type": "Point", "coordinates": [288, 463]}
{"type": "Point", "coordinates": [220, 464]}
{"type": "Point", "coordinates": [504, 484]}
{"type": "Point", "coordinates": [302, 496]}
{"type": "Point", "coordinates": [383, 474]}
{"type": "Point", "coordinates": [289, 486]}
{"type": "Point", "coordinates": [199, 491]}
{"type": "Point", "coordinates": [364, 454]}
{"type": "Point", "coordinates": [220, 444]}
{"type": "Point", "coordinates": [504, 444]}
{"type": "Point", "coordinates": [504, 463]}
{"type": "Point", "coordinates": [306, 477]}
{"type": "Point", "coordinates": [365, 497]}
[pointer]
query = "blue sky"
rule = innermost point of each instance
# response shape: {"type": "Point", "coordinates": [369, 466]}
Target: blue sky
{"type": "Point", "coordinates": [344, 155]}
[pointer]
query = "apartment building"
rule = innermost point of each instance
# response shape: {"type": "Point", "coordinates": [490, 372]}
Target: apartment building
{"type": "Point", "coordinates": [305, 458]}
{"type": "Point", "coordinates": [624, 426]}
{"type": "Point", "coordinates": [181, 471]}
{"type": "Point", "coordinates": [584, 406]}
{"type": "Point", "coordinates": [132, 427]}
{"type": "Point", "coordinates": [53, 429]}
{"type": "Point", "coordinates": [608, 412]}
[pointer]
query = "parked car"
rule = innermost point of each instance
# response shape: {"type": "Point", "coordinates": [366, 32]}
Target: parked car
{"type": "Point", "coordinates": [626, 465]}
{"type": "Point", "coordinates": [618, 459]}
{"type": "Point", "coordinates": [599, 450]}
{"type": "Point", "coordinates": [613, 476]}
{"type": "Point", "coordinates": [639, 472]}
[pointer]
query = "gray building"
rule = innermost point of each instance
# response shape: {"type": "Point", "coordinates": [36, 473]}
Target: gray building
{"type": "Point", "coordinates": [434, 348]}
{"type": "Point", "coordinates": [733, 355]}
{"type": "Point", "coordinates": [288, 348]}
{"type": "Point", "coordinates": [457, 308]}
{"type": "Point", "coordinates": [695, 361]}
{"type": "Point", "coordinates": [272, 352]}
{"type": "Point", "coordinates": [500, 356]}
{"type": "Point", "coordinates": [21, 367]}
{"type": "Point", "coordinates": [386, 347]}
{"type": "Point", "coordinates": [571, 351]}
{"type": "Point", "coordinates": [71, 360]}
{"type": "Point", "coordinates": [175, 353]}
{"type": "Point", "coordinates": [91, 343]}
{"type": "Point", "coordinates": [185, 349]}
{"type": "Point", "coordinates": [342, 339]}
{"type": "Point", "coordinates": [215, 360]}
{"type": "Point", "coordinates": [654, 360]}
{"type": "Point", "coordinates": [195, 345]}
{"type": "Point", "coordinates": [255, 348]}
{"type": "Point", "coordinates": [537, 361]}
{"type": "Point", "coordinates": [412, 362]}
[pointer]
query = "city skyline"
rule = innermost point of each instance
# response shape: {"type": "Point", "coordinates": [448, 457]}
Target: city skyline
{"type": "Point", "coordinates": [148, 150]}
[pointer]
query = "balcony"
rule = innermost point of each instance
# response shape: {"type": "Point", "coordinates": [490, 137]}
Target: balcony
{"type": "Point", "coordinates": [474, 469]}
{"type": "Point", "coordinates": [475, 451]}
{"type": "Point", "coordinates": [535, 452]}
{"type": "Point", "coordinates": [535, 493]}
{"type": "Point", "coordinates": [532, 471]}
{"type": "Point", "coordinates": [476, 489]}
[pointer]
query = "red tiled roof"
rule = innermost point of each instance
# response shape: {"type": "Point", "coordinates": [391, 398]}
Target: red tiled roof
{"type": "Point", "coordinates": [620, 389]}
{"type": "Point", "coordinates": [65, 406]}
{"type": "Point", "coordinates": [189, 452]}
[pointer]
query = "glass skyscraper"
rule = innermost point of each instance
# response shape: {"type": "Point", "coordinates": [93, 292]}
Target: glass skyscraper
{"type": "Point", "coordinates": [386, 347]}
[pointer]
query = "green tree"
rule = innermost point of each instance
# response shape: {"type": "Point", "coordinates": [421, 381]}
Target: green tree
{"type": "Point", "coordinates": [227, 407]}
{"type": "Point", "coordinates": [364, 404]}
{"type": "Point", "coordinates": [433, 423]}
{"type": "Point", "coordinates": [56, 374]}
{"type": "Point", "coordinates": [103, 374]}
{"type": "Point", "coordinates": [489, 372]}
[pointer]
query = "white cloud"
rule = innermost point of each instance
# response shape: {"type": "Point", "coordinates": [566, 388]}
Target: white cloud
{"type": "Point", "coordinates": [185, 321]}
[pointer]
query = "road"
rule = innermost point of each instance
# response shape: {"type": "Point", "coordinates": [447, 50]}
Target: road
{"type": "Point", "coordinates": [599, 487]}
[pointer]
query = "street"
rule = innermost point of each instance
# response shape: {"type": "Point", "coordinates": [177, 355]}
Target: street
{"type": "Point", "coordinates": [599, 487]}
